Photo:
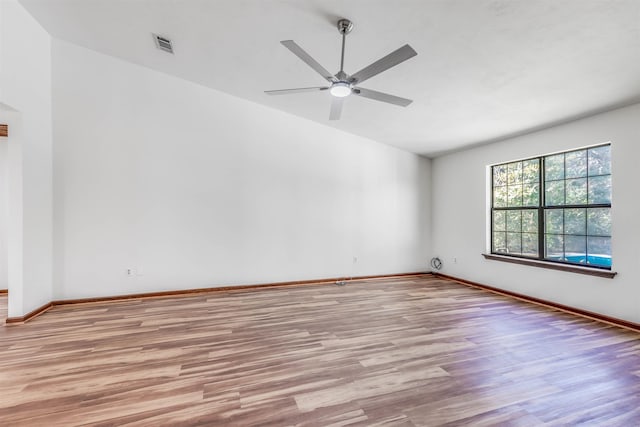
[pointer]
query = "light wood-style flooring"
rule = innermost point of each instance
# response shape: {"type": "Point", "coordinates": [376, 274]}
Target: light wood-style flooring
{"type": "Point", "coordinates": [418, 351]}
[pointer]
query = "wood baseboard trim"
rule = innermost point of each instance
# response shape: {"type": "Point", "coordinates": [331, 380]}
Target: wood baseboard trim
{"type": "Point", "coordinates": [4, 291]}
{"type": "Point", "coordinates": [550, 304]}
{"type": "Point", "coordinates": [38, 311]}
{"type": "Point", "coordinates": [189, 292]}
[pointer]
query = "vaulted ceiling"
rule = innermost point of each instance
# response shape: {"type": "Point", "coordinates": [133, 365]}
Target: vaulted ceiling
{"type": "Point", "coordinates": [485, 70]}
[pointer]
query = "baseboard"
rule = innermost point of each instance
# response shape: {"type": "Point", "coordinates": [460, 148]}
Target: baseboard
{"type": "Point", "coordinates": [175, 293]}
{"type": "Point", "coordinates": [38, 311]}
{"type": "Point", "coordinates": [4, 291]}
{"type": "Point", "coordinates": [561, 307]}
{"type": "Point", "coordinates": [189, 292]}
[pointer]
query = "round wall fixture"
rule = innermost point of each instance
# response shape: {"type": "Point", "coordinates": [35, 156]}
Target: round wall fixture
{"type": "Point", "coordinates": [436, 263]}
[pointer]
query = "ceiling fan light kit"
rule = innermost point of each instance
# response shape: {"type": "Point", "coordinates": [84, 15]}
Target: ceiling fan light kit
{"type": "Point", "coordinates": [340, 89]}
{"type": "Point", "coordinates": [342, 84]}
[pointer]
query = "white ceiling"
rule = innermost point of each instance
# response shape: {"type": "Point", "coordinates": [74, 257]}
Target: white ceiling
{"type": "Point", "coordinates": [485, 70]}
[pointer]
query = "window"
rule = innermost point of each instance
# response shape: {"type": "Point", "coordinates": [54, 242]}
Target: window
{"type": "Point", "coordinates": [554, 208]}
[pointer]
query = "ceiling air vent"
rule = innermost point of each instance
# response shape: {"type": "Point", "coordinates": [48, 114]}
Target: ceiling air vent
{"type": "Point", "coordinates": [163, 43]}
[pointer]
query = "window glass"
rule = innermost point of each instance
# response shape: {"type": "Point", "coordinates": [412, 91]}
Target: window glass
{"type": "Point", "coordinates": [555, 208]}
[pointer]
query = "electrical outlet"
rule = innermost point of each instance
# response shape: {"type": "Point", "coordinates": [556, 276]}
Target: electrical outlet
{"type": "Point", "coordinates": [133, 271]}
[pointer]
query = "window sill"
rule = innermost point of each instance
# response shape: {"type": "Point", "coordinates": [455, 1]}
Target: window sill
{"type": "Point", "coordinates": [553, 266]}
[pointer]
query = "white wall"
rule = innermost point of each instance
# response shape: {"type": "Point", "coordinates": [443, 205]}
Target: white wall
{"type": "Point", "coordinates": [191, 187]}
{"type": "Point", "coordinates": [460, 216]}
{"type": "Point", "coordinates": [25, 85]}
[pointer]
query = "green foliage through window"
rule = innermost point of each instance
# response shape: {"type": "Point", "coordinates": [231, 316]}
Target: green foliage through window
{"type": "Point", "coordinates": [555, 208]}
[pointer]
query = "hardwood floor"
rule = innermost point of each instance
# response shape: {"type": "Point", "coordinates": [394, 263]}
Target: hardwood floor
{"type": "Point", "coordinates": [419, 351]}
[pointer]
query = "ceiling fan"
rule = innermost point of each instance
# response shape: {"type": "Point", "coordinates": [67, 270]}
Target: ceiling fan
{"type": "Point", "coordinates": [343, 84]}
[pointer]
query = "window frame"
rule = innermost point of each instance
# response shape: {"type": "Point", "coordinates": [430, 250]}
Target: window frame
{"type": "Point", "coordinates": [542, 208]}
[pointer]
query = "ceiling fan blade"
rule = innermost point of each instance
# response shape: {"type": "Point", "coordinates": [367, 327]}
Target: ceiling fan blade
{"type": "Point", "coordinates": [381, 96]}
{"type": "Point", "coordinates": [297, 90]}
{"type": "Point", "coordinates": [300, 53]}
{"type": "Point", "coordinates": [382, 64]}
{"type": "Point", "coordinates": [336, 108]}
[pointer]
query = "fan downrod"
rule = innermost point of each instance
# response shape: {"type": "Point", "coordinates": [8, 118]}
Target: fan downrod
{"type": "Point", "coordinates": [345, 26]}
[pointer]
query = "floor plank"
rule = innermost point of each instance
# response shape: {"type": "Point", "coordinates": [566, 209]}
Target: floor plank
{"type": "Point", "coordinates": [408, 352]}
